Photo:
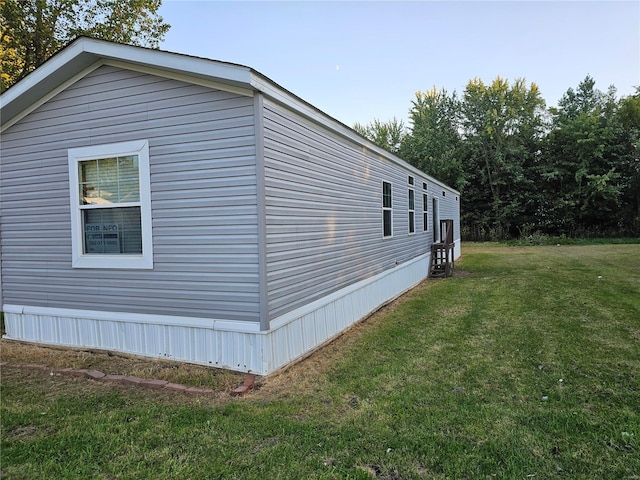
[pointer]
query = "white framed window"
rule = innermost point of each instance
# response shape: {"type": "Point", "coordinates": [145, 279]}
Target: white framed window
{"type": "Point", "coordinates": [111, 206]}
{"type": "Point", "coordinates": [425, 212]}
{"type": "Point", "coordinates": [436, 219]}
{"type": "Point", "coordinates": [412, 211]}
{"type": "Point", "coordinates": [387, 211]}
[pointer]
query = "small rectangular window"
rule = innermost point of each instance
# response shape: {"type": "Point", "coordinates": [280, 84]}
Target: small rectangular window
{"type": "Point", "coordinates": [412, 211]}
{"type": "Point", "coordinates": [424, 186]}
{"type": "Point", "coordinates": [110, 207]}
{"type": "Point", "coordinates": [410, 180]}
{"type": "Point", "coordinates": [387, 215]}
{"type": "Point", "coordinates": [425, 212]}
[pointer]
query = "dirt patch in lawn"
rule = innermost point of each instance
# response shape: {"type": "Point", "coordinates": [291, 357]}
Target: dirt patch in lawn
{"type": "Point", "coordinates": [18, 353]}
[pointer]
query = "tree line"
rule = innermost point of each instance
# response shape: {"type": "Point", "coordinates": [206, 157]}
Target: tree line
{"type": "Point", "coordinates": [570, 170]}
{"type": "Point", "coordinates": [523, 168]}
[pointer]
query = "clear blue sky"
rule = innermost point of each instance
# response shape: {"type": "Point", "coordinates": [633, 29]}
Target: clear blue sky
{"type": "Point", "coordinates": [361, 60]}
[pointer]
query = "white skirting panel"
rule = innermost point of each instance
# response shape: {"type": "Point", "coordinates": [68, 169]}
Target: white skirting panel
{"type": "Point", "coordinates": [296, 333]}
{"type": "Point", "coordinates": [227, 344]}
{"type": "Point", "coordinates": [457, 249]}
{"type": "Point", "coordinates": [224, 344]}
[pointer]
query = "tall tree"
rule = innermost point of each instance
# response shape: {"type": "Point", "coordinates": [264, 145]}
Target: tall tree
{"type": "Point", "coordinates": [434, 141]}
{"type": "Point", "coordinates": [502, 126]}
{"type": "Point", "coordinates": [629, 117]}
{"type": "Point", "coordinates": [388, 135]}
{"type": "Point", "coordinates": [33, 30]}
{"type": "Point", "coordinates": [583, 162]}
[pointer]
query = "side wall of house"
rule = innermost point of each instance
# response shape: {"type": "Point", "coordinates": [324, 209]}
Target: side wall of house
{"type": "Point", "coordinates": [203, 200]}
{"type": "Point", "coordinates": [324, 211]}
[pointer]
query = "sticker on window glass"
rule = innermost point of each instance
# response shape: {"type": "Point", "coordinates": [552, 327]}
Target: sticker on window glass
{"type": "Point", "coordinates": [102, 238]}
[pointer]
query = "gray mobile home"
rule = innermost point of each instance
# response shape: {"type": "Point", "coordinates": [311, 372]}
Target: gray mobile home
{"type": "Point", "coordinates": [172, 206]}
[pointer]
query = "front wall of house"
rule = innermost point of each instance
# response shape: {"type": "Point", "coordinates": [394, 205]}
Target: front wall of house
{"type": "Point", "coordinates": [324, 211]}
{"type": "Point", "coordinates": [203, 198]}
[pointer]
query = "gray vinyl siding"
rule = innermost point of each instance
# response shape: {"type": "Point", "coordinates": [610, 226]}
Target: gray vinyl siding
{"type": "Point", "coordinates": [449, 207]}
{"type": "Point", "coordinates": [324, 211]}
{"type": "Point", "coordinates": [203, 182]}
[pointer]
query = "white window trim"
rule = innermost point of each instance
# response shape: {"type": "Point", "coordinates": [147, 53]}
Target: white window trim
{"type": "Point", "coordinates": [390, 209]}
{"type": "Point", "coordinates": [79, 258]}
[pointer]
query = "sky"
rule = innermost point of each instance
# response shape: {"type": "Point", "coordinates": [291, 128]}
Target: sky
{"type": "Point", "coordinates": [363, 60]}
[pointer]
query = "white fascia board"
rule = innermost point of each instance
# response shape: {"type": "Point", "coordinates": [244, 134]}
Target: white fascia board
{"type": "Point", "coordinates": [284, 97]}
{"type": "Point", "coordinates": [39, 84]}
{"type": "Point", "coordinates": [85, 54]}
{"type": "Point", "coordinates": [179, 63]}
{"type": "Point", "coordinates": [41, 73]}
{"type": "Point", "coordinates": [182, 77]}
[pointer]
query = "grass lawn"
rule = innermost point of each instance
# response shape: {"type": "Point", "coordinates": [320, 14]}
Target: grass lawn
{"type": "Point", "coordinates": [524, 365]}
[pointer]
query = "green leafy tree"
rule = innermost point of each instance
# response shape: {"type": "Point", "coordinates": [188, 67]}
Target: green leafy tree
{"type": "Point", "coordinates": [584, 158]}
{"type": "Point", "coordinates": [433, 144]}
{"type": "Point", "coordinates": [33, 30]}
{"type": "Point", "coordinates": [628, 117]}
{"type": "Point", "coordinates": [388, 135]}
{"type": "Point", "coordinates": [502, 126]}
{"type": "Point", "coordinates": [11, 63]}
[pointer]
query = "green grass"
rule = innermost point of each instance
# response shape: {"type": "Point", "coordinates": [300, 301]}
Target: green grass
{"type": "Point", "coordinates": [543, 239]}
{"type": "Point", "coordinates": [527, 366]}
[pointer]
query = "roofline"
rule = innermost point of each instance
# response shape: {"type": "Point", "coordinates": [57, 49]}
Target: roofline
{"type": "Point", "coordinates": [84, 54]}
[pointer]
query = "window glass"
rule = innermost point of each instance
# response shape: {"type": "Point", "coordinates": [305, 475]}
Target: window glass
{"type": "Point", "coordinates": [109, 180]}
{"type": "Point", "coordinates": [425, 210]}
{"type": "Point", "coordinates": [387, 216]}
{"type": "Point", "coordinates": [412, 208]}
{"type": "Point", "coordinates": [128, 187]}
{"type": "Point", "coordinates": [386, 194]}
{"type": "Point", "coordinates": [387, 223]}
{"type": "Point", "coordinates": [112, 230]}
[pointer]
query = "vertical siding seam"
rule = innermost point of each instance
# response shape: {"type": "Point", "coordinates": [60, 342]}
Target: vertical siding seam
{"type": "Point", "coordinates": [258, 109]}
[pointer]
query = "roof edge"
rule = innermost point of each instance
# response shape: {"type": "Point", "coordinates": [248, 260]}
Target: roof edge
{"type": "Point", "coordinates": [83, 54]}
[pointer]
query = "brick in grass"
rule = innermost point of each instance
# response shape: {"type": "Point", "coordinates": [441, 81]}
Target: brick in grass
{"type": "Point", "coordinates": [94, 374]}
{"type": "Point", "coordinates": [176, 387]}
{"type": "Point", "coordinates": [199, 390]}
{"type": "Point", "coordinates": [132, 380]}
{"type": "Point", "coordinates": [157, 384]}
{"type": "Point", "coordinates": [114, 378]}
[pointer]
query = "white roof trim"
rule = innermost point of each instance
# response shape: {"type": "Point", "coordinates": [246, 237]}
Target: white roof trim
{"type": "Point", "coordinates": [171, 61]}
{"type": "Point", "coordinates": [45, 98]}
{"type": "Point", "coordinates": [284, 97]}
{"type": "Point", "coordinates": [41, 73]}
{"type": "Point", "coordinates": [159, 72]}
{"type": "Point", "coordinates": [85, 52]}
